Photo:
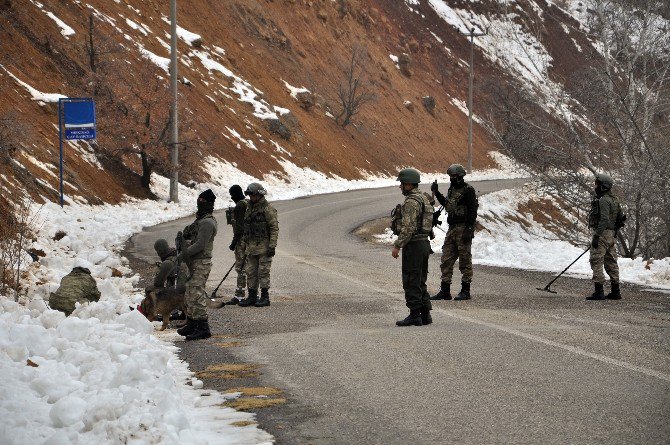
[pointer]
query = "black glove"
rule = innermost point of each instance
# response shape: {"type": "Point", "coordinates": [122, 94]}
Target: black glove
{"type": "Point", "coordinates": [233, 244]}
{"type": "Point", "coordinates": [271, 252]}
{"type": "Point", "coordinates": [595, 241]}
{"type": "Point", "coordinates": [433, 187]}
{"type": "Point", "coordinates": [468, 234]}
{"type": "Point", "coordinates": [436, 219]}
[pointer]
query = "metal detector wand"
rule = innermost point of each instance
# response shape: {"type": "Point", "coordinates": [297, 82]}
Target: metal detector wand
{"type": "Point", "coordinates": [547, 289]}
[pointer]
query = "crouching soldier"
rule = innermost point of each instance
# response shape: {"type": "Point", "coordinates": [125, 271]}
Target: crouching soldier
{"type": "Point", "coordinates": [237, 246]}
{"type": "Point", "coordinates": [197, 252]}
{"type": "Point", "coordinates": [170, 274]}
{"type": "Point", "coordinates": [415, 224]}
{"type": "Point", "coordinates": [261, 230]}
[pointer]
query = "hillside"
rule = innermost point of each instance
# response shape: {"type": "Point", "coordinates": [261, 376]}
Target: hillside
{"type": "Point", "coordinates": [241, 60]}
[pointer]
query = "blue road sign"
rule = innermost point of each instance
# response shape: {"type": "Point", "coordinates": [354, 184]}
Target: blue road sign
{"type": "Point", "coordinates": [79, 118]}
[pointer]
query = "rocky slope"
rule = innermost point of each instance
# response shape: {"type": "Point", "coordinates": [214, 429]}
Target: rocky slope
{"type": "Point", "coordinates": [241, 60]}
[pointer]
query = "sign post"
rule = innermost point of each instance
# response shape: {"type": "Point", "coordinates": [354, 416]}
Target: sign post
{"type": "Point", "coordinates": [77, 117]}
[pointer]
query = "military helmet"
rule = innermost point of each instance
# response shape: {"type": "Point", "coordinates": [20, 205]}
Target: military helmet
{"type": "Point", "coordinates": [456, 169]}
{"type": "Point", "coordinates": [409, 176]}
{"type": "Point", "coordinates": [255, 189]}
{"type": "Point", "coordinates": [605, 180]}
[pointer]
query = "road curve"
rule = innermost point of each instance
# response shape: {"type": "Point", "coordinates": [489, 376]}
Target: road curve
{"type": "Point", "coordinates": [513, 365]}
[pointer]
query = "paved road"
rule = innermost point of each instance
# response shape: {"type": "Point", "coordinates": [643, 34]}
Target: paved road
{"type": "Point", "coordinates": [513, 365]}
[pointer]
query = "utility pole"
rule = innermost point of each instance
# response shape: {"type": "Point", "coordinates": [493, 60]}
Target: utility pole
{"type": "Point", "coordinates": [472, 36]}
{"type": "Point", "coordinates": [174, 138]}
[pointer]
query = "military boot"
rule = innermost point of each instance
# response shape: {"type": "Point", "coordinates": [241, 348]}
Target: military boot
{"type": "Point", "coordinates": [615, 292]}
{"type": "Point", "coordinates": [425, 317]}
{"type": "Point", "coordinates": [265, 298]}
{"type": "Point", "coordinates": [201, 331]}
{"type": "Point", "coordinates": [251, 299]}
{"type": "Point", "coordinates": [234, 301]}
{"type": "Point", "coordinates": [413, 319]}
{"type": "Point", "coordinates": [444, 293]}
{"type": "Point", "coordinates": [598, 294]}
{"type": "Point", "coordinates": [464, 294]}
{"type": "Point", "coordinates": [178, 315]}
{"type": "Point", "coordinates": [188, 328]}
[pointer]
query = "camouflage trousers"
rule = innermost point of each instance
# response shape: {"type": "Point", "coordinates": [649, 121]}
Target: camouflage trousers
{"type": "Point", "coordinates": [605, 256]}
{"type": "Point", "coordinates": [454, 248]}
{"type": "Point", "coordinates": [241, 273]}
{"type": "Point", "coordinates": [196, 296]}
{"type": "Point", "coordinates": [258, 271]}
{"type": "Point", "coordinates": [415, 256]}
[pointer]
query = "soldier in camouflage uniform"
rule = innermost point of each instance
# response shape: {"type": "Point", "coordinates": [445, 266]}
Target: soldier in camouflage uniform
{"type": "Point", "coordinates": [415, 225]}
{"type": "Point", "coordinates": [605, 212]}
{"type": "Point", "coordinates": [170, 273]}
{"type": "Point", "coordinates": [237, 245]}
{"type": "Point", "coordinates": [197, 252]}
{"type": "Point", "coordinates": [167, 274]}
{"type": "Point", "coordinates": [261, 230]}
{"type": "Point", "coordinates": [461, 207]}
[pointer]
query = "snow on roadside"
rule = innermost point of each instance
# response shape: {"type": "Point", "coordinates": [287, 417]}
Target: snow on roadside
{"type": "Point", "coordinates": [505, 243]}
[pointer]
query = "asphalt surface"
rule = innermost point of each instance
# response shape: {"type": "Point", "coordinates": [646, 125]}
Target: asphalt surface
{"type": "Point", "coordinates": [512, 365]}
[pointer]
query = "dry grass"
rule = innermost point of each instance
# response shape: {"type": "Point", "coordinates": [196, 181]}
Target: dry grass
{"type": "Point", "coordinates": [253, 403]}
{"type": "Point", "coordinates": [229, 371]}
{"type": "Point", "coordinates": [242, 423]}
{"type": "Point", "coordinates": [229, 344]}
{"type": "Point", "coordinates": [257, 391]}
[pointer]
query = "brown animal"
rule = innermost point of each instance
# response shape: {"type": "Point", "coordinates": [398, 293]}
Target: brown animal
{"type": "Point", "coordinates": [162, 301]}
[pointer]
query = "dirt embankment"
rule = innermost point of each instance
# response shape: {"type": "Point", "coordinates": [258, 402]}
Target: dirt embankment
{"type": "Point", "coordinates": [267, 44]}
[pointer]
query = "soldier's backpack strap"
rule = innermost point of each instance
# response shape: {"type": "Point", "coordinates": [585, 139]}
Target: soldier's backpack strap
{"type": "Point", "coordinates": [419, 222]}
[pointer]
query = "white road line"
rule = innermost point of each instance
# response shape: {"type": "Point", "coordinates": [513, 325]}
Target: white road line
{"type": "Point", "coordinates": [573, 349]}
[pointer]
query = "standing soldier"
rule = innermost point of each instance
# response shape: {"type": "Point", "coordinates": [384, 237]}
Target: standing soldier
{"type": "Point", "coordinates": [197, 252]}
{"type": "Point", "coordinates": [237, 246]}
{"type": "Point", "coordinates": [261, 230]}
{"type": "Point", "coordinates": [413, 226]}
{"type": "Point", "coordinates": [461, 207]}
{"type": "Point", "coordinates": [604, 221]}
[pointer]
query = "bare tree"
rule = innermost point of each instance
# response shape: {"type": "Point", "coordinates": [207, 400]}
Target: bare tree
{"type": "Point", "coordinates": [354, 91]}
{"type": "Point", "coordinates": [15, 233]}
{"type": "Point", "coordinates": [614, 119]}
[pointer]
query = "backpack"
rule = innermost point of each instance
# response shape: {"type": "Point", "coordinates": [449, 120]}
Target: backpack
{"type": "Point", "coordinates": [396, 218]}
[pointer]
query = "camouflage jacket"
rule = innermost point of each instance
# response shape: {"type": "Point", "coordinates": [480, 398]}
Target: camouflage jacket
{"type": "Point", "coordinates": [166, 275]}
{"type": "Point", "coordinates": [261, 227]}
{"type": "Point", "coordinates": [604, 211]}
{"type": "Point", "coordinates": [461, 205]}
{"type": "Point", "coordinates": [199, 238]}
{"type": "Point", "coordinates": [416, 220]}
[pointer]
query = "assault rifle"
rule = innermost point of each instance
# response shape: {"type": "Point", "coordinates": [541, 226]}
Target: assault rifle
{"type": "Point", "coordinates": [179, 244]}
